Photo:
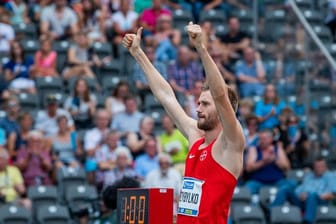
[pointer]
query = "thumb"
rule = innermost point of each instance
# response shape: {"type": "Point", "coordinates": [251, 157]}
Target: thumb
{"type": "Point", "coordinates": [190, 23]}
{"type": "Point", "coordinates": [139, 32]}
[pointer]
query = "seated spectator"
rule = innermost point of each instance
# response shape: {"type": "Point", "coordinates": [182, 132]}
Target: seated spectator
{"type": "Point", "coordinates": [26, 122]}
{"type": "Point", "coordinates": [210, 38]}
{"type": "Point", "coordinates": [123, 21]}
{"type": "Point", "coordinates": [92, 20]}
{"type": "Point", "coordinates": [236, 40]}
{"type": "Point", "coordinates": [137, 140]}
{"type": "Point", "coordinates": [59, 20]}
{"type": "Point", "coordinates": [149, 17]}
{"type": "Point", "coordinates": [173, 142]}
{"type": "Point", "coordinates": [10, 125]}
{"type": "Point", "coordinates": [266, 164]}
{"type": "Point", "coordinates": [114, 104]}
{"type": "Point", "coordinates": [81, 105]}
{"type": "Point", "coordinates": [245, 110]}
{"type": "Point", "coordinates": [106, 155]}
{"type": "Point", "coordinates": [252, 135]}
{"type": "Point", "coordinates": [184, 72]}
{"type": "Point", "coordinates": [166, 39]}
{"type": "Point", "coordinates": [285, 76]}
{"type": "Point", "coordinates": [18, 10]}
{"type": "Point", "coordinates": [330, 20]}
{"type": "Point", "coordinates": [122, 169]}
{"type": "Point", "coordinates": [317, 188]}
{"type": "Point", "coordinates": [165, 177]}
{"type": "Point", "coordinates": [129, 120]}
{"type": "Point", "coordinates": [63, 149]}
{"type": "Point", "coordinates": [34, 161]}
{"type": "Point", "coordinates": [46, 119]}
{"type": "Point", "coordinates": [250, 73]}
{"type": "Point", "coordinates": [94, 139]}
{"type": "Point", "coordinates": [269, 108]}
{"type": "Point", "coordinates": [148, 161]}
{"type": "Point", "coordinates": [191, 103]}
{"type": "Point", "coordinates": [6, 32]}
{"type": "Point", "coordinates": [12, 187]}
{"type": "Point", "coordinates": [177, 4]}
{"type": "Point", "coordinates": [81, 59]}
{"type": "Point", "coordinates": [17, 70]}
{"type": "Point", "coordinates": [45, 60]}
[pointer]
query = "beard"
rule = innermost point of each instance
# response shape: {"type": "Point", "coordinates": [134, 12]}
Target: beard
{"type": "Point", "coordinates": [207, 124]}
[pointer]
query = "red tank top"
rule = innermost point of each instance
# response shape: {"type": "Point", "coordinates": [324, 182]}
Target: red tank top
{"type": "Point", "coordinates": [217, 188]}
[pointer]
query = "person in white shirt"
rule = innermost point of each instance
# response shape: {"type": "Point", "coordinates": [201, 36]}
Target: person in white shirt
{"type": "Point", "coordinates": [7, 33]}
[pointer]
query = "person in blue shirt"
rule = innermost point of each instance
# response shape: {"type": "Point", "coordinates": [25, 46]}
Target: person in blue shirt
{"type": "Point", "coordinates": [317, 188]}
{"type": "Point", "coordinates": [268, 109]}
{"type": "Point", "coordinates": [17, 69]}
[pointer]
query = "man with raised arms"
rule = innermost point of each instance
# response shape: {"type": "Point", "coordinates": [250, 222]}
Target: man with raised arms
{"type": "Point", "coordinates": [215, 159]}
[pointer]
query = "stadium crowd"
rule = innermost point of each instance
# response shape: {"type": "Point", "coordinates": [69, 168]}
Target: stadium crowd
{"type": "Point", "coordinates": [73, 100]}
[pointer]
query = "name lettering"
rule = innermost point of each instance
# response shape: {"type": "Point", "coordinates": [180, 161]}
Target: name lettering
{"type": "Point", "coordinates": [189, 197]}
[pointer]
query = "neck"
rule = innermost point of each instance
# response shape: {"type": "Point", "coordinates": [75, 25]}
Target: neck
{"type": "Point", "coordinates": [211, 135]}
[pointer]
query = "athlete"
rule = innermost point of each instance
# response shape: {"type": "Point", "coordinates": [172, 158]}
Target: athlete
{"type": "Point", "coordinates": [215, 159]}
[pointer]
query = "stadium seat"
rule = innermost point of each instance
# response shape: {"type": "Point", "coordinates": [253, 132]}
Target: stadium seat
{"type": "Point", "coordinates": [30, 47]}
{"type": "Point", "coordinates": [151, 102]}
{"type": "Point", "coordinates": [112, 69]}
{"type": "Point", "coordinates": [28, 101]}
{"type": "Point", "coordinates": [221, 30]}
{"type": "Point", "coordinates": [101, 98]}
{"type": "Point", "coordinates": [109, 83]}
{"type": "Point", "coordinates": [102, 49]}
{"type": "Point", "coordinates": [156, 114]}
{"type": "Point", "coordinates": [53, 214]}
{"type": "Point", "coordinates": [276, 16]}
{"type": "Point", "coordinates": [326, 215]}
{"type": "Point", "coordinates": [297, 175]}
{"type": "Point", "coordinates": [48, 85]}
{"type": "Point", "coordinates": [266, 196]}
{"type": "Point", "coordinates": [248, 214]}
{"type": "Point", "coordinates": [216, 17]}
{"type": "Point", "coordinates": [181, 19]}
{"type": "Point", "coordinates": [26, 31]}
{"type": "Point", "coordinates": [12, 214]}
{"type": "Point", "coordinates": [61, 47]}
{"type": "Point", "coordinates": [305, 4]}
{"type": "Point", "coordinates": [68, 176]}
{"type": "Point", "coordinates": [313, 17]}
{"type": "Point", "coordinates": [241, 196]}
{"type": "Point", "coordinates": [332, 49]}
{"type": "Point", "coordinates": [42, 196]}
{"type": "Point", "coordinates": [323, 33]}
{"type": "Point", "coordinates": [245, 17]}
{"type": "Point", "coordinates": [286, 214]}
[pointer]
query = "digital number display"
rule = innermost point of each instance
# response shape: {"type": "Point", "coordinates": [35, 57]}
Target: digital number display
{"type": "Point", "coordinates": [133, 206]}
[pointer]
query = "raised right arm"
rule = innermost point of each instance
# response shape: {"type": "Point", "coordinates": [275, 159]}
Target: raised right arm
{"type": "Point", "coordinates": [159, 86]}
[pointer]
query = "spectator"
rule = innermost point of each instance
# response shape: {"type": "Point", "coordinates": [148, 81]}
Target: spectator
{"type": "Point", "coordinates": [6, 32]}
{"type": "Point", "coordinates": [317, 188]}
{"type": "Point", "coordinates": [285, 76]}
{"type": "Point", "coordinates": [139, 77]}
{"type": "Point", "coordinates": [81, 59]}
{"type": "Point", "coordinates": [129, 120]}
{"type": "Point", "coordinates": [12, 186]}
{"type": "Point", "coordinates": [266, 164]}
{"type": "Point", "coordinates": [177, 4]}
{"type": "Point", "coordinates": [19, 12]}
{"type": "Point", "coordinates": [81, 105]}
{"type": "Point", "coordinates": [166, 39]}
{"type": "Point", "coordinates": [184, 72]}
{"type": "Point", "coordinates": [245, 110]}
{"type": "Point", "coordinates": [250, 73]}
{"type": "Point", "coordinates": [149, 17]}
{"type": "Point", "coordinates": [17, 70]}
{"type": "Point", "coordinates": [59, 20]}
{"type": "Point", "coordinates": [26, 122]}
{"type": "Point", "coordinates": [173, 142]}
{"type": "Point", "coordinates": [106, 155]}
{"type": "Point", "coordinates": [46, 119]}
{"type": "Point", "coordinates": [330, 20]}
{"type": "Point", "coordinates": [123, 21]}
{"type": "Point", "coordinates": [165, 177]}
{"type": "Point", "coordinates": [252, 135]}
{"type": "Point", "coordinates": [92, 20]}
{"type": "Point", "coordinates": [269, 108]}
{"type": "Point", "coordinates": [94, 139]}
{"type": "Point", "coordinates": [122, 168]}
{"type": "Point", "coordinates": [137, 140]}
{"type": "Point", "coordinates": [34, 161]}
{"type": "Point", "coordinates": [148, 161]}
{"type": "Point", "coordinates": [63, 148]}
{"type": "Point", "coordinates": [210, 37]}
{"type": "Point", "coordinates": [192, 99]}
{"type": "Point", "coordinates": [38, 8]}
{"type": "Point", "coordinates": [10, 125]}
{"type": "Point", "coordinates": [45, 60]}
{"type": "Point", "coordinates": [114, 104]}
{"type": "Point", "coordinates": [235, 40]}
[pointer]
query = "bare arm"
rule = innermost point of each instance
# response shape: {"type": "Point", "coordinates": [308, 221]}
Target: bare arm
{"type": "Point", "coordinates": [282, 161]}
{"type": "Point", "coordinates": [159, 86]}
{"type": "Point", "coordinates": [251, 161]}
{"type": "Point", "coordinates": [232, 131]}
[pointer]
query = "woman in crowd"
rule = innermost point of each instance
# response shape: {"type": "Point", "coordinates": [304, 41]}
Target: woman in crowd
{"type": "Point", "coordinates": [115, 103]}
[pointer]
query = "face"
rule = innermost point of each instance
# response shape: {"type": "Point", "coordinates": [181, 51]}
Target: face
{"type": "Point", "coordinates": [197, 90]}
{"type": "Point", "coordinates": [63, 124]}
{"type": "Point", "coordinates": [165, 22]}
{"type": "Point", "coordinates": [60, 3]}
{"type": "Point", "coordinates": [151, 149]}
{"type": "Point", "coordinates": [112, 140]}
{"type": "Point", "coordinates": [234, 25]}
{"type": "Point", "coordinates": [265, 139]}
{"type": "Point", "coordinates": [270, 92]}
{"type": "Point", "coordinates": [320, 167]}
{"type": "Point", "coordinates": [167, 123]}
{"type": "Point", "coordinates": [87, 4]}
{"type": "Point", "coordinates": [122, 91]}
{"type": "Point", "coordinates": [102, 120]}
{"type": "Point", "coordinates": [17, 49]}
{"type": "Point", "coordinates": [150, 52]}
{"type": "Point", "coordinates": [249, 55]}
{"type": "Point", "coordinates": [125, 5]}
{"type": "Point", "coordinates": [34, 143]}
{"type": "Point", "coordinates": [130, 105]}
{"type": "Point", "coordinates": [82, 40]}
{"type": "Point", "coordinates": [207, 27]}
{"type": "Point", "coordinates": [184, 55]}
{"type": "Point", "coordinates": [13, 108]}
{"type": "Point", "coordinates": [252, 125]}
{"type": "Point", "coordinates": [81, 87]}
{"type": "Point", "coordinates": [52, 107]}
{"type": "Point", "coordinates": [26, 122]}
{"type": "Point", "coordinates": [3, 163]}
{"type": "Point", "coordinates": [157, 4]}
{"type": "Point", "coordinates": [206, 112]}
{"type": "Point", "coordinates": [122, 161]}
{"type": "Point", "coordinates": [147, 125]}
{"type": "Point", "coordinates": [46, 46]}
{"type": "Point", "coordinates": [164, 164]}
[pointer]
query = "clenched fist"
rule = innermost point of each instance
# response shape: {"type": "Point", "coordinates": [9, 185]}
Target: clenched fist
{"type": "Point", "coordinates": [132, 41]}
{"type": "Point", "coordinates": [195, 34]}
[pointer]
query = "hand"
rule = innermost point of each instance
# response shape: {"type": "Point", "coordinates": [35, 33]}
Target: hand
{"type": "Point", "coordinates": [195, 34]}
{"type": "Point", "coordinates": [273, 111]}
{"type": "Point", "coordinates": [303, 196]}
{"type": "Point", "coordinates": [132, 41]}
{"type": "Point", "coordinates": [257, 56]}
